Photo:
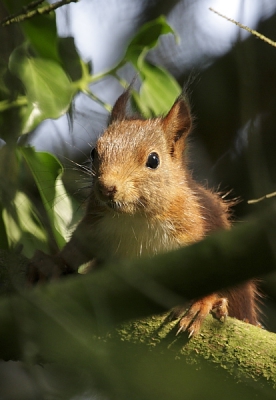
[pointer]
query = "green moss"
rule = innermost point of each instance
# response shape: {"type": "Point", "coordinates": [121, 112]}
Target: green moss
{"type": "Point", "coordinates": [246, 352]}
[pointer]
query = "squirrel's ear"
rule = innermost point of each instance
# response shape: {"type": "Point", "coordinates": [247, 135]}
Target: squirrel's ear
{"type": "Point", "coordinates": [118, 112]}
{"type": "Point", "coordinates": [178, 122]}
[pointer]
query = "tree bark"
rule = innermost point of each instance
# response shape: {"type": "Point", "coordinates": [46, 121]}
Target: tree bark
{"type": "Point", "coordinates": [75, 320]}
{"type": "Point", "coordinates": [246, 352]}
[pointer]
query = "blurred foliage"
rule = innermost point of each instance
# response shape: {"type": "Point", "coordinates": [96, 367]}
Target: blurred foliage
{"type": "Point", "coordinates": [70, 324]}
{"type": "Point", "coordinates": [40, 76]}
{"type": "Point", "coordinates": [44, 77]}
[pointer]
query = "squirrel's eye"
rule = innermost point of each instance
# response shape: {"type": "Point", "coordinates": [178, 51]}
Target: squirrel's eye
{"type": "Point", "coordinates": [153, 161]}
{"type": "Point", "coordinates": [93, 154]}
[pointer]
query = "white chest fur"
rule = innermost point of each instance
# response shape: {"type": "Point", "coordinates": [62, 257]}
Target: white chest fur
{"type": "Point", "coordinates": [125, 236]}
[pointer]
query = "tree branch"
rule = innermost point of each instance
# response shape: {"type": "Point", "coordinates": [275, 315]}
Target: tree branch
{"type": "Point", "coordinates": [62, 321]}
{"type": "Point", "coordinates": [246, 28]}
{"type": "Point", "coordinates": [30, 11]}
{"type": "Point", "coordinates": [245, 352]}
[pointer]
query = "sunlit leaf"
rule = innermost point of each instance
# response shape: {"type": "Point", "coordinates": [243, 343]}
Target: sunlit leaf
{"type": "Point", "coordinates": [26, 229]}
{"type": "Point", "coordinates": [158, 91]}
{"type": "Point", "coordinates": [147, 38]}
{"type": "Point", "coordinates": [4, 244]}
{"type": "Point", "coordinates": [63, 210]}
{"type": "Point", "coordinates": [45, 169]}
{"type": "Point", "coordinates": [159, 88]}
{"type": "Point", "coordinates": [21, 222]}
{"type": "Point", "coordinates": [49, 90]}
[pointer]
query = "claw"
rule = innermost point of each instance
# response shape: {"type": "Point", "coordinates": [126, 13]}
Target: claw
{"type": "Point", "coordinates": [179, 330]}
{"type": "Point", "coordinates": [196, 314]}
{"type": "Point", "coordinates": [191, 334]}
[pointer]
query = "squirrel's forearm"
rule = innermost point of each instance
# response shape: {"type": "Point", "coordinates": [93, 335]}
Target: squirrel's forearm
{"type": "Point", "coordinates": [81, 247]}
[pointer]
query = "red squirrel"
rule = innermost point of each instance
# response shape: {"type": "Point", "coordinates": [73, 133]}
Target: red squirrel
{"type": "Point", "coordinates": [144, 201]}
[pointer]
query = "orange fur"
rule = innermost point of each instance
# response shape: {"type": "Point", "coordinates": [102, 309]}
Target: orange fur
{"type": "Point", "coordinates": [137, 208]}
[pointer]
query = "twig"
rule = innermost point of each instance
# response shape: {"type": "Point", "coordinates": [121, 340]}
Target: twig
{"type": "Point", "coordinates": [30, 11]}
{"type": "Point", "coordinates": [252, 31]}
{"type": "Point", "coordinates": [266, 196]}
{"type": "Point", "coordinates": [97, 99]}
{"type": "Point", "coordinates": [7, 104]}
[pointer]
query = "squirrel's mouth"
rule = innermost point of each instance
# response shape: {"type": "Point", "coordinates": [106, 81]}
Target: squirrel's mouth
{"type": "Point", "coordinates": [113, 201]}
{"type": "Point", "coordinates": [121, 207]}
{"type": "Point", "coordinates": [118, 207]}
{"type": "Point", "coordinates": [114, 205]}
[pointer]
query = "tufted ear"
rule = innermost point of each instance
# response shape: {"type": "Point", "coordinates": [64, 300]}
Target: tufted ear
{"type": "Point", "coordinates": [118, 112]}
{"type": "Point", "coordinates": [178, 122]}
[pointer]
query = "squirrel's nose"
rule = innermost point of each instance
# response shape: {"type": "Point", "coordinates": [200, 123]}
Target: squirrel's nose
{"type": "Point", "coordinates": [107, 191]}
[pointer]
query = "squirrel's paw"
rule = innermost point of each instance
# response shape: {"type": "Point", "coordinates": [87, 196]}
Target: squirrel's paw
{"type": "Point", "coordinates": [43, 267]}
{"type": "Point", "coordinates": [195, 315]}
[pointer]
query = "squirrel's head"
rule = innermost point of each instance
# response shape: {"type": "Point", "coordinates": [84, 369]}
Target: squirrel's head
{"type": "Point", "coordinates": [138, 164]}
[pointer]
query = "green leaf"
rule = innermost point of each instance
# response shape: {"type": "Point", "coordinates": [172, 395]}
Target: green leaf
{"type": "Point", "coordinates": [71, 60]}
{"type": "Point", "coordinates": [20, 221]}
{"type": "Point", "coordinates": [4, 91]}
{"type": "Point", "coordinates": [46, 169]}
{"type": "Point", "coordinates": [158, 91]}
{"type": "Point", "coordinates": [147, 38]}
{"type": "Point", "coordinates": [159, 88]}
{"type": "Point", "coordinates": [9, 170]}
{"type": "Point", "coordinates": [4, 244]}
{"type": "Point", "coordinates": [26, 228]}
{"type": "Point", "coordinates": [48, 89]}
{"type": "Point", "coordinates": [40, 30]}
{"type": "Point", "coordinates": [63, 210]}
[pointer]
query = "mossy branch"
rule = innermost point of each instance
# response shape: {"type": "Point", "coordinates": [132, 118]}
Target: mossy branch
{"type": "Point", "coordinates": [245, 352]}
{"type": "Point", "coordinates": [68, 321]}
